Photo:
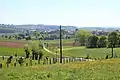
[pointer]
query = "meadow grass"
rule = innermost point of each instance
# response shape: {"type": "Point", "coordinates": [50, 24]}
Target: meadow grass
{"type": "Point", "coordinates": [94, 52]}
{"type": "Point", "coordinates": [95, 70]}
{"type": "Point", "coordinates": [57, 41]}
{"type": "Point", "coordinates": [6, 51]}
{"type": "Point", "coordinates": [10, 40]}
{"type": "Point", "coordinates": [67, 50]}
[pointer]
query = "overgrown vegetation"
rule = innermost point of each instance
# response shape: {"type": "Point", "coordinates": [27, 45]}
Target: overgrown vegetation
{"type": "Point", "coordinates": [96, 70]}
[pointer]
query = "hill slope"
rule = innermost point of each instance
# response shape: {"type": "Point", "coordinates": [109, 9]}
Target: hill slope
{"type": "Point", "coordinates": [96, 70]}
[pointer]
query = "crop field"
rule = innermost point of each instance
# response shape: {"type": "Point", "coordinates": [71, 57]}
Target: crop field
{"type": "Point", "coordinates": [57, 41]}
{"type": "Point", "coordinates": [65, 42]}
{"type": "Point", "coordinates": [96, 70]}
{"type": "Point", "coordinates": [78, 51]}
{"type": "Point", "coordinates": [91, 70]}
{"type": "Point", "coordinates": [13, 47]}
{"type": "Point", "coordinates": [9, 47]}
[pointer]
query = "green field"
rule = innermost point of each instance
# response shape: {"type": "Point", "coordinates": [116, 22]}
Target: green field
{"type": "Point", "coordinates": [7, 51]}
{"type": "Point", "coordinates": [83, 51]}
{"type": "Point", "coordinates": [95, 52]}
{"type": "Point", "coordinates": [67, 50]}
{"type": "Point", "coordinates": [57, 41]}
{"type": "Point", "coordinates": [96, 70]}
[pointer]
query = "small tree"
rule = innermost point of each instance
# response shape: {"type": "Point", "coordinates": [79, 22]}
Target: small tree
{"type": "Point", "coordinates": [92, 42]}
{"type": "Point", "coordinates": [113, 40]}
{"type": "Point", "coordinates": [81, 36]}
{"type": "Point", "coordinates": [36, 55]}
{"type": "Point", "coordinates": [6, 36]}
{"type": "Point", "coordinates": [27, 51]}
{"type": "Point", "coordinates": [9, 37]}
{"type": "Point", "coordinates": [9, 59]}
{"type": "Point", "coordinates": [20, 61]}
{"type": "Point", "coordinates": [40, 54]}
{"type": "Point", "coordinates": [102, 42]}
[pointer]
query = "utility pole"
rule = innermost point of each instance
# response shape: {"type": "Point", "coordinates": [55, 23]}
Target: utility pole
{"type": "Point", "coordinates": [60, 45]}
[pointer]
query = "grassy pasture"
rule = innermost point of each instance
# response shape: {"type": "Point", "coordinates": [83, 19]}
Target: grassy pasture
{"type": "Point", "coordinates": [95, 52]}
{"type": "Point", "coordinates": [57, 41]}
{"type": "Point", "coordinates": [96, 70]}
{"type": "Point", "coordinates": [8, 50]}
{"type": "Point", "coordinates": [67, 50]}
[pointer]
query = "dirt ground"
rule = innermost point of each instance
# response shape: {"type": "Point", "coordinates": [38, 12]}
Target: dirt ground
{"type": "Point", "coordinates": [66, 44]}
{"type": "Point", "coordinates": [12, 44]}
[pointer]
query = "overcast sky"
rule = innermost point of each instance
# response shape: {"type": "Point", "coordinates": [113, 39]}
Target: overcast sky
{"type": "Point", "coordinates": [79, 13]}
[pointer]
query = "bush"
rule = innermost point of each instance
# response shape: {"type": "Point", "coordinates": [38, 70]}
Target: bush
{"type": "Point", "coordinates": [87, 57]}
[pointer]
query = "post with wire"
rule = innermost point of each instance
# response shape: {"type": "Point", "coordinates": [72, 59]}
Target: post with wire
{"type": "Point", "coordinates": [60, 45]}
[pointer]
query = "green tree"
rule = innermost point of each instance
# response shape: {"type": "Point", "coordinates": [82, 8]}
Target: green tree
{"type": "Point", "coordinates": [36, 34]}
{"type": "Point", "coordinates": [34, 52]}
{"type": "Point", "coordinates": [26, 51]}
{"type": "Point", "coordinates": [81, 36]}
{"type": "Point", "coordinates": [40, 53]}
{"type": "Point", "coordinates": [102, 42]}
{"type": "Point", "coordinates": [92, 42]}
{"type": "Point", "coordinates": [28, 37]}
{"type": "Point", "coordinates": [21, 35]}
{"type": "Point", "coordinates": [113, 40]}
{"type": "Point", "coordinates": [6, 36]}
{"type": "Point", "coordinates": [16, 37]}
{"type": "Point", "coordinates": [9, 37]}
{"type": "Point", "coordinates": [118, 37]}
{"type": "Point", "coordinates": [35, 48]}
{"type": "Point", "coordinates": [21, 61]}
{"type": "Point", "coordinates": [2, 36]}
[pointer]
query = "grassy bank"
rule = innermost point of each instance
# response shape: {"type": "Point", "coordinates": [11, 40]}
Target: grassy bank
{"type": "Point", "coordinates": [96, 70]}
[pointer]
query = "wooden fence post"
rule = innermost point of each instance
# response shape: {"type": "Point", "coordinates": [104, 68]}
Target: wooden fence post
{"type": "Point", "coordinates": [15, 64]}
{"type": "Point", "coordinates": [72, 59]}
{"type": "Point", "coordinates": [21, 65]}
{"type": "Point", "coordinates": [44, 61]}
{"type": "Point", "coordinates": [38, 61]}
{"type": "Point", "coordinates": [0, 65]}
{"type": "Point", "coordinates": [3, 57]}
{"type": "Point", "coordinates": [53, 60]}
{"type": "Point", "coordinates": [35, 63]}
{"type": "Point", "coordinates": [50, 61]}
{"type": "Point", "coordinates": [30, 62]}
{"type": "Point", "coordinates": [56, 60]}
{"type": "Point", "coordinates": [7, 65]}
{"type": "Point", "coordinates": [16, 60]}
{"type": "Point", "coordinates": [26, 64]}
{"type": "Point", "coordinates": [69, 60]}
{"type": "Point", "coordinates": [64, 60]}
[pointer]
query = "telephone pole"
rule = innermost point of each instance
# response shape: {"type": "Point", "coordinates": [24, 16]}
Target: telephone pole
{"type": "Point", "coordinates": [60, 45]}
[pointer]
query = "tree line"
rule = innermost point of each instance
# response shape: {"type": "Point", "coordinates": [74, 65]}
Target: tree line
{"type": "Point", "coordinates": [36, 50]}
{"type": "Point", "coordinates": [86, 38]}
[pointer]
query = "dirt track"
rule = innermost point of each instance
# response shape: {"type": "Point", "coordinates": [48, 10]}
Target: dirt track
{"type": "Point", "coordinates": [66, 44]}
{"type": "Point", "coordinates": [12, 44]}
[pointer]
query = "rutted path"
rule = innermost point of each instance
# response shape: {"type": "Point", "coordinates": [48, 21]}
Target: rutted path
{"type": "Point", "coordinates": [72, 48]}
{"type": "Point", "coordinates": [78, 58]}
{"type": "Point", "coordinates": [81, 59]}
{"type": "Point", "coordinates": [48, 50]}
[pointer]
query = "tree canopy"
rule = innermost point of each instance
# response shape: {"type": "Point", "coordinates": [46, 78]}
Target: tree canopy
{"type": "Point", "coordinates": [81, 36]}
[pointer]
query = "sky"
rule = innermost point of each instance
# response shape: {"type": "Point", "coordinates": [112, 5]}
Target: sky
{"type": "Point", "coordinates": [81, 13]}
